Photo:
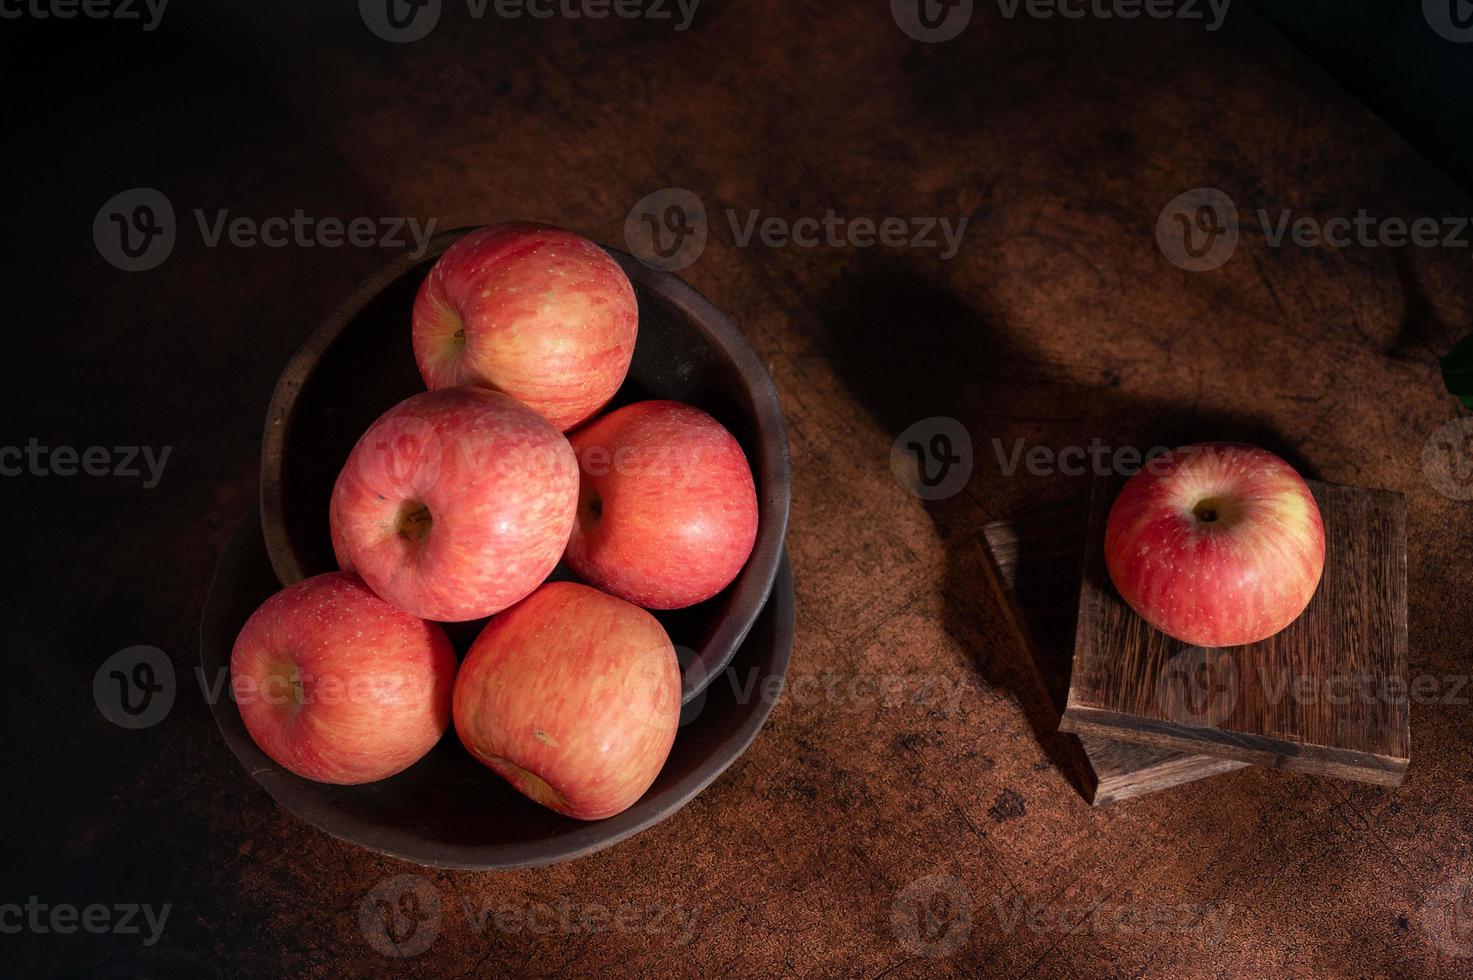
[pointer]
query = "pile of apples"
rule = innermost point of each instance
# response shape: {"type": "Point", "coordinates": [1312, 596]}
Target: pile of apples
{"type": "Point", "coordinates": [458, 503]}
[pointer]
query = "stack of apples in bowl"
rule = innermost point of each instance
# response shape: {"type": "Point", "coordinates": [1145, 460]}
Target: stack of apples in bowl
{"type": "Point", "coordinates": [459, 503]}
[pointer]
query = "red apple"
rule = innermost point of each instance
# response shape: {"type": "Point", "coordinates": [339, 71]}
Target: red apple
{"type": "Point", "coordinates": [531, 310]}
{"type": "Point", "coordinates": [667, 509]}
{"type": "Point", "coordinates": [1217, 544]}
{"type": "Point", "coordinates": [336, 685]}
{"type": "Point", "coordinates": [573, 697]}
{"type": "Point", "coordinates": [455, 504]}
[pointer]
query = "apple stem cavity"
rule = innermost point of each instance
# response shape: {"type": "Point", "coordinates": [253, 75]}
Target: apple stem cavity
{"type": "Point", "coordinates": [414, 521]}
{"type": "Point", "coordinates": [286, 684]}
{"type": "Point", "coordinates": [457, 336]}
{"type": "Point", "coordinates": [1212, 510]}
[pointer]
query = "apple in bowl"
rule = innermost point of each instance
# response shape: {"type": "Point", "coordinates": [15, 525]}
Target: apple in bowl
{"type": "Point", "coordinates": [338, 686]}
{"type": "Point", "coordinates": [1217, 544]}
{"type": "Point", "coordinates": [532, 310]}
{"type": "Point", "coordinates": [455, 503]}
{"type": "Point", "coordinates": [667, 508]}
{"type": "Point", "coordinates": [573, 697]}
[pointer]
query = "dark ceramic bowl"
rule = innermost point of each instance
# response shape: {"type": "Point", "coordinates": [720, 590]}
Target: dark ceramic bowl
{"type": "Point", "coordinates": [449, 811]}
{"type": "Point", "coordinates": [360, 363]}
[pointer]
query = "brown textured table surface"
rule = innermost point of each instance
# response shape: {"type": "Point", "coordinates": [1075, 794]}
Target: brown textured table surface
{"type": "Point", "coordinates": [1059, 321]}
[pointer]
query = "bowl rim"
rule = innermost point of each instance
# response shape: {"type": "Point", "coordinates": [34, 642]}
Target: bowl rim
{"type": "Point", "coordinates": [773, 461]}
{"type": "Point", "coordinates": [295, 794]}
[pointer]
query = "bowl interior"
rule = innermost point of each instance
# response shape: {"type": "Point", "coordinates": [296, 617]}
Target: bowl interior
{"type": "Point", "coordinates": [449, 811]}
{"type": "Point", "coordinates": [360, 363]}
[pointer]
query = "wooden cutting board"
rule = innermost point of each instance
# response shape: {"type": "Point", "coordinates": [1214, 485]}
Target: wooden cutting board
{"type": "Point", "coordinates": [1327, 695]}
{"type": "Point", "coordinates": [1034, 565]}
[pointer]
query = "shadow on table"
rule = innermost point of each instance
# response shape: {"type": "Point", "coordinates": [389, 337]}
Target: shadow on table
{"type": "Point", "coordinates": [909, 349]}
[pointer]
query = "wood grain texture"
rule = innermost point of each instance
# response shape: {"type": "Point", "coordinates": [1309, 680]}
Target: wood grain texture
{"type": "Point", "coordinates": [1033, 566]}
{"type": "Point", "coordinates": [1058, 321]}
{"type": "Point", "coordinates": [1327, 695]}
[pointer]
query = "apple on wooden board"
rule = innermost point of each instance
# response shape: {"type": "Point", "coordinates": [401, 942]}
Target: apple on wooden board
{"type": "Point", "coordinates": [1217, 544]}
{"type": "Point", "coordinates": [573, 697]}
{"type": "Point", "coordinates": [336, 685]}
{"type": "Point", "coordinates": [537, 312]}
{"type": "Point", "coordinates": [667, 508]}
{"type": "Point", "coordinates": [455, 503]}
